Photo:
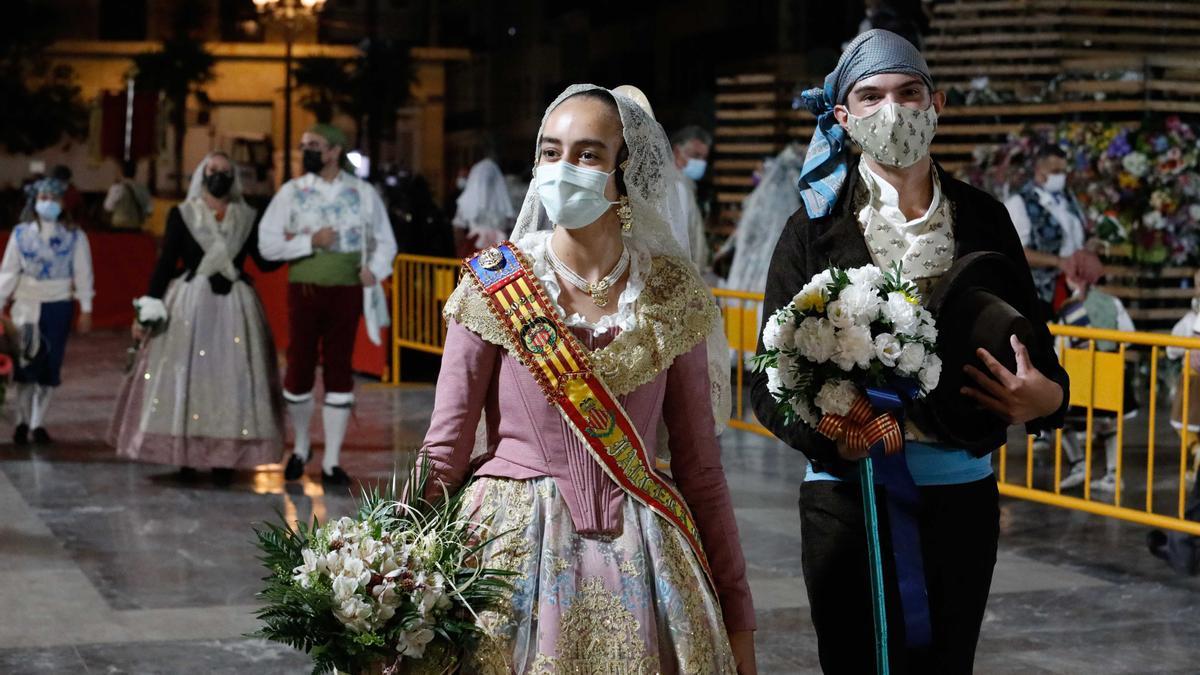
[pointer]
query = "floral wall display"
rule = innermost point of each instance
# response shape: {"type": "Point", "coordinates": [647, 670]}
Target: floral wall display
{"type": "Point", "coordinates": [1138, 184]}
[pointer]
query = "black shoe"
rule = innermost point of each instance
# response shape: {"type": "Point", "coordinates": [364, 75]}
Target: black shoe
{"type": "Point", "coordinates": [336, 477]}
{"type": "Point", "coordinates": [40, 437]}
{"type": "Point", "coordinates": [1156, 541]}
{"type": "Point", "coordinates": [222, 477]}
{"type": "Point", "coordinates": [294, 469]}
{"type": "Point", "coordinates": [187, 475]}
{"type": "Point", "coordinates": [21, 434]}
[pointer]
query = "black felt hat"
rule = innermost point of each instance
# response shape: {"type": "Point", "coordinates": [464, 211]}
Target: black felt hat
{"type": "Point", "coordinates": [981, 302]}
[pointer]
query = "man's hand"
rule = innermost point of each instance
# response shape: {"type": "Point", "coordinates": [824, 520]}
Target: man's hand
{"type": "Point", "coordinates": [741, 642]}
{"type": "Point", "coordinates": [84, 325]}
{"type": "Point", "coordinates": [365, 276]}
{"type": "Point", "coordinates": [1084, 266]}
{"type": "Point", "coordinates": [324, 238]}
{"type": "Point", "coordinates": [1017, 397]}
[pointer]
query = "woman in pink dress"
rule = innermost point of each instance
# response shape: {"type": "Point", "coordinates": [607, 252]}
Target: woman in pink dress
{"type": "Point", "coordinates": [606, 581]}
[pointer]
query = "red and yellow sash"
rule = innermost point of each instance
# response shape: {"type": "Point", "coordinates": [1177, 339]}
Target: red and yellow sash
{"type": "Point", "coordinates": [560, 364]}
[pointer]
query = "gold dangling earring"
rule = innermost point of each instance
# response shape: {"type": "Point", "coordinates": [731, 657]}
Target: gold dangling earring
{"type": "Point", "coordinates": [625, 214]}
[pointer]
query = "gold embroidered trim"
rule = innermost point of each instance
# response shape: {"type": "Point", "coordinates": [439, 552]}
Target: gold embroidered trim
{"type": "Point", "coordinates": [674, 313]}
{"type": "Point", "coordinates": [598, 635]}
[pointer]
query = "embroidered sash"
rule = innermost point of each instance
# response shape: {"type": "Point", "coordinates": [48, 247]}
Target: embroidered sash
{"type": "Point", "coordinates": [559, 363]}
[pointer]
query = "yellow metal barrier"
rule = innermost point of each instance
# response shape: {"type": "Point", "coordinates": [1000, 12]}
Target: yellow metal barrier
{"type": "Point", "coordinates": [420, 287]}
{"type": "Point", "coordinates": [422, 284]}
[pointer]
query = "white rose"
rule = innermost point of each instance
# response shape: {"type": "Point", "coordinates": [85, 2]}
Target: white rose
{"type": "Point", "coordinates": [868, 276]}
{"type": "Point", "coordinates": [928, 329]}
{"type": "Point", "coordinates": [855, 348]}
{"type": "Point", "coordinates": [901, 313]}
{"type": "Point", "coordinates": [861, 302]}
{"type": "Point", "coordinates": [931, 373]}
{"type": "Point", "coordinates": [839, 314]}
{"type": "Point", "coordinates": [836, 397]}
{"type": "Point", "coordinates": [887, 349]}
{"type": "Point", "coordinates": [911, 358]}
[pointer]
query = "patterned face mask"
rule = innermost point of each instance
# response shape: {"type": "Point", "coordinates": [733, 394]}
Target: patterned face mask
{"type": "Point", "coordinates": [895, 135]}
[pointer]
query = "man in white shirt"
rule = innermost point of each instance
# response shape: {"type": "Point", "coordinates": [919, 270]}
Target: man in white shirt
{"type": "Point", "coordinates": [333, 230]}
{"type": "Point", "coordinates": [1050, 224]}
{"type": "Point", "coordinates": [128, 202]}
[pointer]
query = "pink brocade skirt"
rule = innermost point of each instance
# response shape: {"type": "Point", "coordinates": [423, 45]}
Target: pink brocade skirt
{"type": "Point", "coordinates": [634, 604]}
{"type": "Point", "coordinates": [205, 392]}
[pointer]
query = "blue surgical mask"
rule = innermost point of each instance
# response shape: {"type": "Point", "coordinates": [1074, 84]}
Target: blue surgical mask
{"type": "Point", "coordinates": [695, 168]}
{"type": "Point", "coordinates": [572, 196]}
{"type": "Point", "coordinates": [48, 209]}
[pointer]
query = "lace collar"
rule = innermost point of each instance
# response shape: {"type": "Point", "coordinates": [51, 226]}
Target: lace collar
{"type": "Point", "coordinates": [625, 318]}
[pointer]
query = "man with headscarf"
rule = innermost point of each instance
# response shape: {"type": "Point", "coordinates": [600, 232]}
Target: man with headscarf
{"type": "Point", "coordinates": [897, 206]}
{"type": "Point", "coordinates": [333, 230]}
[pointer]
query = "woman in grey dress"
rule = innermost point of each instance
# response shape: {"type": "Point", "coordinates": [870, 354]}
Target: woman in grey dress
{"type": "Point", "coordinates": [204, 392]}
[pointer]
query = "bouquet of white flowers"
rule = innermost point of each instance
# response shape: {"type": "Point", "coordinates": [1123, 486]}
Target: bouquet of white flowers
{"type": "Point", "coordinates": [401, 581]}
{"type": "Point", "coordinates": [844, 333]}
{"type": "Point", "coordinates": [151, 312]}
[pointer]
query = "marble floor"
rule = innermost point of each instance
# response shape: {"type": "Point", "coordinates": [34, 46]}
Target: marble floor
{"type": "Point", "coordinates": [107, 566]}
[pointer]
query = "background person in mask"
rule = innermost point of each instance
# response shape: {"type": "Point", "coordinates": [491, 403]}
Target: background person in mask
{"type": "Point", "coordinates": [47, 266]}
{"type": "Point", "coordinates": [1050, 224]}
{"type": "Point", "coordinates": [894, 204]}
{"type": "Point", "coordinates": [691, 146]}
{"type": "Point", "coordinates": [204, 390]}
{"type": "Point", "coordinates": [333, 230]}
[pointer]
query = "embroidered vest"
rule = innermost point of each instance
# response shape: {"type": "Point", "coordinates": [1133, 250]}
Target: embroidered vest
{"type": "Point", "coordinates": [1045, 236]}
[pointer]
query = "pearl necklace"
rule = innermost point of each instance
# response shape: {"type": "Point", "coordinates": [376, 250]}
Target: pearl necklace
{"type": "Point", "coordinates": [599, 290]}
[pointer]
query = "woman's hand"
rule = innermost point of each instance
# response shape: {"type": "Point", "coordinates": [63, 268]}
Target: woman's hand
{"type": "Point", "coordinates": [1017, 397]}
{"type": "Point", "coordinates": [742, 644]}
{"type": "Point", "coordinates": [84, 325]}
{"type": "Point", "coordinates": [138, 331]}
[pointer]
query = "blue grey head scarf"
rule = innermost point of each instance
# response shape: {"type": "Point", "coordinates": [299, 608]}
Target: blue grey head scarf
{"type": "Point", "coordinates": [51, 186]}
{"type": "Point", "coordinates": [871, 53]}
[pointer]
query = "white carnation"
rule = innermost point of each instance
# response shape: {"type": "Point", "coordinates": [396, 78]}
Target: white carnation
{"type": "Point", "coordinates": [774, 385]}
{"type": "Point", "coordinates": [777, 334]}
{"type": "Point", "coordinates": [818, 282]}
{"type": "Point", "coordinates": [816, 339]}
{"type": "Point", "coordinates": [855, 348]}
{"type": "Point", "coordinates": [805, 412]}
{"type": "Point", "coordinates": [836, 397]}
{"type": "Point", "coordinates": [839, 314]}
{"type": "Point", "coordinates": [887, 349]}
{"type": "Point", "coordinates": [787, 371]}
{"type": "Point", "coordinates": [868, 276]}
{"type": "Point", "coordinates": [862, 303]}
{"type": "Point", "coordinates": [901, 313]}
{"type": "Point", "coordinates": [931, 373]}
{"type": "Point", "coordinates": [911, 358]}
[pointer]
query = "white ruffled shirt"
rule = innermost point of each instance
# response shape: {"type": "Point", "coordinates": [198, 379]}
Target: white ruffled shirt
{"type": "Point", "coordinates": [924, 245]}
{"type": "Point", "coordinates": [534, 245]}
